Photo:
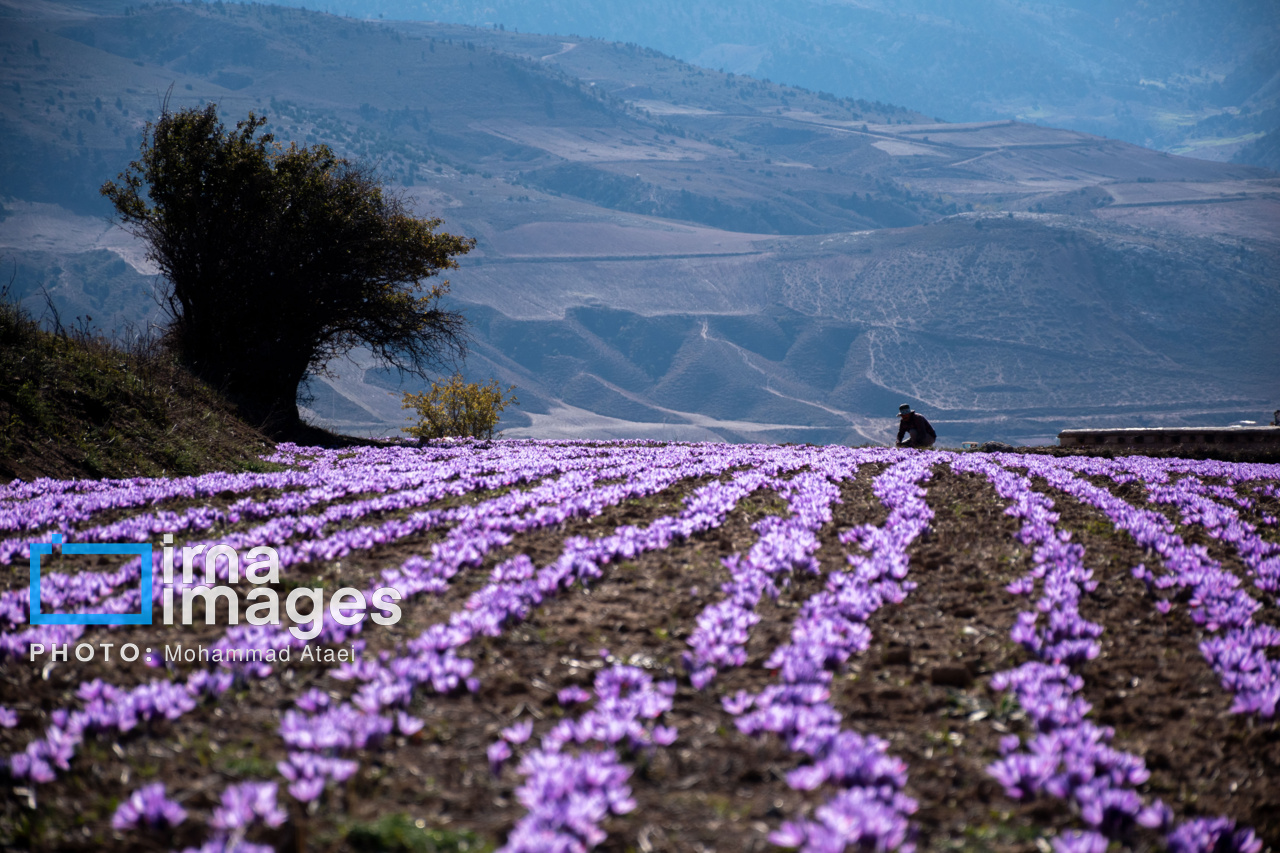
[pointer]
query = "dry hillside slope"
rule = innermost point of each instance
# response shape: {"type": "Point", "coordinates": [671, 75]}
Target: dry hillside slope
{"type": "Point", "coordinates": [665, 250]}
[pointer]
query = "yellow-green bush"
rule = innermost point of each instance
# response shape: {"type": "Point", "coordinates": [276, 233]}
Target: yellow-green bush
{"type": "Point", "coordinates": [458, 408]}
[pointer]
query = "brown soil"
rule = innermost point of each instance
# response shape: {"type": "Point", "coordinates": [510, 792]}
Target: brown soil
{"type": "Point", "coordinates": [1152, 684]}
{"type": "Point", "coordinates": [923, 686]}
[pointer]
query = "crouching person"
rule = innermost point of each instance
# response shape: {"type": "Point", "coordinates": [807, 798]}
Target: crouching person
{"type": "Point", "coordinates": [913, 425]}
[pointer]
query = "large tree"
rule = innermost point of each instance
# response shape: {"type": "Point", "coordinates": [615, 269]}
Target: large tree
{"type": "Point", "coordinates": [279, 259]}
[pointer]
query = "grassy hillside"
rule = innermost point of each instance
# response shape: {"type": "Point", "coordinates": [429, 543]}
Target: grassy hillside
{"type": "Point", "coordinates": [76, 405]}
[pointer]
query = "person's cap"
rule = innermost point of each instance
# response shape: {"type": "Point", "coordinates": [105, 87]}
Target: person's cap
{"type": "Point", "coordinates": [904, 409]}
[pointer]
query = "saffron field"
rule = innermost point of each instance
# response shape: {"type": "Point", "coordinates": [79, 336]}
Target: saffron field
{"type": "Point", "coordinates": [635, 646]}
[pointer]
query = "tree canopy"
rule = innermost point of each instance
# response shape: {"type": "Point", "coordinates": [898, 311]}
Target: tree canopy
{"type": "Point", "coordinates": [279, 259]}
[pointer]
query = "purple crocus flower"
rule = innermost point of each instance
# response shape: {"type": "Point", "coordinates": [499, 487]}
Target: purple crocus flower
{"type": "Point", "coordinates": [498, 753]}
{"type": "Point", "coordinates": [1213, 835]}
{"type": "Point", "coordinates": [246, 803]}
{"type": "Point", "coordinates": [148, 806]}
{"type": "Point", "coordinates": [518, 733]}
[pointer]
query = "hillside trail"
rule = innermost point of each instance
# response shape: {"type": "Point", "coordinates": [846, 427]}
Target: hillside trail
{"type": "Point", "coordinates": [565, 47]}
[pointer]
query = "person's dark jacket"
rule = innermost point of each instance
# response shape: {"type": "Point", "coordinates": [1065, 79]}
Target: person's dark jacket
{"type": "Point", "coordinates": [920, 430]}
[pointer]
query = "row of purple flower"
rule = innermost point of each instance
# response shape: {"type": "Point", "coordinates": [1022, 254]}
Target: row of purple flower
{"type": "Point", "coordinates": [569, 792]}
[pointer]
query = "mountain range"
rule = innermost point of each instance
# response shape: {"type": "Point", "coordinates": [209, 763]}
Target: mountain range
{"type": "Point", "coordinates": [670, 251]}
{"type": "Point", "coordinates": [1185, 76]}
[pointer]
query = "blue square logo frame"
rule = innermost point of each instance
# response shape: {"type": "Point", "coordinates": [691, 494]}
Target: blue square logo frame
{"type": "Point", "coordinates": [142, 550]}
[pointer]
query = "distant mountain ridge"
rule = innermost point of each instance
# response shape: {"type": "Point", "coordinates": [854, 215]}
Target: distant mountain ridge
{"type": "Point", "coordinates": [1182, 75]}
{"type": "Point", "coordinates": [669, 251]}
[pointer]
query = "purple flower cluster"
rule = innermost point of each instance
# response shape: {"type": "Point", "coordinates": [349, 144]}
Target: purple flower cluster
{"type": "Point", "coordinates": [309, 772]}
{"type": "Point", "coordinates": [647, 470]}
{"type": "Point", "coordinates": [870, 810]}
{"type": "Point", "coordinates": [106, 708]}
{"type": "Point", "coordinates": [340, 727]}
{"type": "Point", "coordinates": [1239, 654]}
{"type": "Point", "coordinates": [242, 806]}
{"type": "Point", "coordinates": [516, 587]}
{"type": "Point", "coordinates": [334, 503]}
{"type": "Point", "coordinates": [322, 729]}
{"type": "Point", "coordinates": [148, 806]}
{"type": "Point", "coordinates": [1192, 498]}
{"type": "Point", "coordinates": [569, 794]}
{"type": "Point", "coordinates": [1212, 835]}
{"type": "Point", "coordinates": [245, 804]}
{"type": "Point", "coordinates": [785, 544]}
{"type": "Point", "coordinates": [1069, 757]}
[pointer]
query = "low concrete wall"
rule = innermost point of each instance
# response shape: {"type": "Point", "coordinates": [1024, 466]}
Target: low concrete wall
{"type": "Point", "coordinates": [1264, 437]}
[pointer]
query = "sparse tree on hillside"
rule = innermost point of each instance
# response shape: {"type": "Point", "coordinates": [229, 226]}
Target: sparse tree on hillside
{"type": "Point", "coordinates": [279, 259]}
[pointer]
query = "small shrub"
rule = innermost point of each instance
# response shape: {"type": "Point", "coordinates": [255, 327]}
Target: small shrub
{"type": "Point", "coordinates": [458, 408]}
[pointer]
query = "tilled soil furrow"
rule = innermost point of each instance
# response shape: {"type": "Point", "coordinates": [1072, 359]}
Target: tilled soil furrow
{"type": "Point", "coordinates": [923, 686]}
{"type": "Point", "coordinates": [1151, 683]}
{"type": "Point", "coordinates": [923, 683]}
{"type": "Point", "coordinates": [541, 546]}
{"type": "Point", "coordinates": [641, 611]}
